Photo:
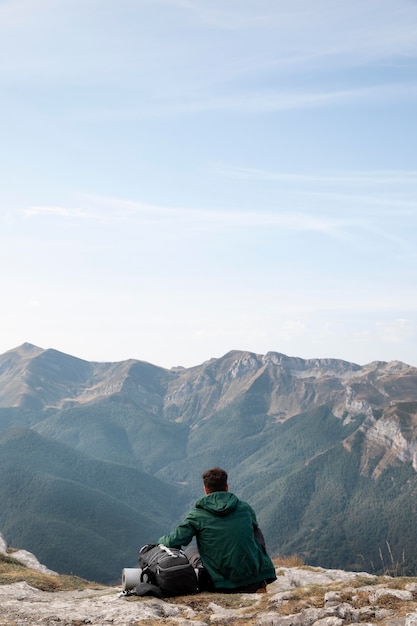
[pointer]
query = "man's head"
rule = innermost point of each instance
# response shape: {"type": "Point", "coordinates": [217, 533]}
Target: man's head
{"type": "Point", "coordinates": [215, 479]}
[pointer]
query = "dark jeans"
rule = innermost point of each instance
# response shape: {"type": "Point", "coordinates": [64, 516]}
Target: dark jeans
{"type": "Point", "coordinates": [206, 584]}
{"type": "Point", "coordinates": [204, 580]}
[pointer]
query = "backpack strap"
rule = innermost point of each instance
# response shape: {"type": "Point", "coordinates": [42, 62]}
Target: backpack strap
{"type": "Point", "coordinates": [144, 576]}
{"type": "Point", "coordinates": [170, 552]}
{"type": "Point", "coordinates": [147, 589]}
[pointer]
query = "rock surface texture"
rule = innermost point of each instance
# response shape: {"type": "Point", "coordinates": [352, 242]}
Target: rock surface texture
{"type": "Point", "coordinates": [299, 597]}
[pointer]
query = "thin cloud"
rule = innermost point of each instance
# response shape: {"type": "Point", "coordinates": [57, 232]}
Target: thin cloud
{"type": "Point", "coordinates": [371, 193]}
{"type": "Point", "coordinates": [264, 101]}
{"type": "Point", "coordinates": [58, 211]}
{"type": "Point", "coordinates": [114, 209]}
{"type": "Point", "coordinates": [329, 34]}
{"type": "Point", "coordinates": [298, 221]}
{"type": "Point", "coordinates": [351, 178]}
{"type": "Point", "coordinates": [274, 37]}
{"type": "Point", "coordinates": [250, 102]}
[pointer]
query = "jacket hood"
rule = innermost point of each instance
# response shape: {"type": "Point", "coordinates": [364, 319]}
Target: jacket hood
{"type": "Point", "coordinates": [218, 502]}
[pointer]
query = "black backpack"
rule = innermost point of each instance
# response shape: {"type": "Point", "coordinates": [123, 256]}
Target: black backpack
{"type": "Point", "coordinates": [167, 568]}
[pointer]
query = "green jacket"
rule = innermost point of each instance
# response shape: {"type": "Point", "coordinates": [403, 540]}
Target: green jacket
{"type": "Point", "coordinates": [224, 528]}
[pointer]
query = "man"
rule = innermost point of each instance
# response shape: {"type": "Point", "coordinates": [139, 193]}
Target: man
{"type": "Point", "coordinates": [225, 529]}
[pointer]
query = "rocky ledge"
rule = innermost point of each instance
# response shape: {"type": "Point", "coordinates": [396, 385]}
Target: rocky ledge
{"type": "Point", "coordinates": [301, 596]}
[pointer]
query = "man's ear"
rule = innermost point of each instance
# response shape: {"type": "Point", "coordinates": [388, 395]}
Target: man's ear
{"type": "Point", "coordinates": [206, 490]}
{"type": "Point", "coordinates": [227, 488]}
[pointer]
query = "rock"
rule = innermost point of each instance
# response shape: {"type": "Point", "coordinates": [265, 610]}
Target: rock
{"type": "Point", "coordinates": [24, 557]}
{"type": "Point", "coordinates": [300, 597]}
{"type": "Point", "coordinates": [34, 607]}
{"type": "Point", "coordinates": [289, 577]}
{"type": "Point", "coordinates": [398, 621]}
{"type": "Point", "coordinates": [348, 613]}
{"type": "Point", "coordinates": [332, 598]}
{"type": "Point", "coordinates": [30, 560]}
{"type": "Point", "coordinates": [271, 619]}
{"type": "Point", "coordinates": [393, 593]}
{"type": "Point", "coordinates": [225, 616]}
{"type": "Point", "coordinates": [281, 597]}
{"type": "Point", "coordinates": [3, 545]}
{"type": "Point", "coordinates": [411, 619]}
{"type": "Point", "coordinates": [329, 621]}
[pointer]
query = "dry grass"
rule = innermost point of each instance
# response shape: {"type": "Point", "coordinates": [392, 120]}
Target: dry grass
{"type": "Point", "coordinates": [247, 607]}
{"type": "Point", "coordinates": [393, 582]}
{"type": "Point", "coordinates": [399, 582]}
{"type": "Point", "coordinates": [302, 597]}
{"type": "Point", "coordinates": [12, 571]}
{"type": "Point", "coordinates": [201, 601]}
{"type": "Point", "coordinates": [313, 596]}
{"type": "Point", "coordinates": [174, 621]}
{"type": "Point", "coordinates": [155, 622]}
{"type": "Point", "coordinates": [291, 560]}
{"type": "Point", "coordinates": [366, 581]}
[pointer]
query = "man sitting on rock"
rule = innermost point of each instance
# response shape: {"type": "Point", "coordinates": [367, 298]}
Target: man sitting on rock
{"type": "Point", "coordinates": [231, 548]}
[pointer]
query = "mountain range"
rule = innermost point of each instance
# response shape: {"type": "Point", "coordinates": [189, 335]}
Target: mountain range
{"type": "Point", "coordinates": [97, 459]}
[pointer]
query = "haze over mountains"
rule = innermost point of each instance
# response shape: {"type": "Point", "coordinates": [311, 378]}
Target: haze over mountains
{"type": "Point", "coordinates": [97, 459]}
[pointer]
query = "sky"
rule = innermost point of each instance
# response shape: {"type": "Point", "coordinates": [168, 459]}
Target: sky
{"type": "Point", "coordinates": [182, 178]}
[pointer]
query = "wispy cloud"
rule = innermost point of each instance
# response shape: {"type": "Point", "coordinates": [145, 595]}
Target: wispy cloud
{"type": "Point", "coordinates": [366, 193]}
{"type": "Point", "coordinates": [59, 211]}
{"type": "Point", "coordinates": [122, 210]}
{"type": "Point", "coordinates": [351, 178]}
{"type": "Point", "coordinates": [303, 35]}
{"type": "Point", "coordinates": [266, 101]}
{"type": "Point", "coordinates": [247, 102]}
{"type": "Point", "coordinates": [273, 38]}
{"type": "Point", "coordinates": [359, 221]}
{"type": "Point", "coordinates": [301, 15]}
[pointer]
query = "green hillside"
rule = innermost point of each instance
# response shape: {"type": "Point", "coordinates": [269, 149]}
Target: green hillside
{"type": "Point", "coordinates": [78, 514]}
{"type": "Point", "coordinates": [117, 431]}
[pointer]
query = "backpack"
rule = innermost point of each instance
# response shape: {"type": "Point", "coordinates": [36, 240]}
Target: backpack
{"type": "Point", "coordinates": [167, 568]}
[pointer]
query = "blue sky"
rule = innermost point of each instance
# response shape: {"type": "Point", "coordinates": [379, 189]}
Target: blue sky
{"type": "Point", "coordinates": [180, 178]}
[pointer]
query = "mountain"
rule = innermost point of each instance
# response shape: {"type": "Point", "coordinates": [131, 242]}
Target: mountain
{"type": "Point", "coordinates": [325, 450]}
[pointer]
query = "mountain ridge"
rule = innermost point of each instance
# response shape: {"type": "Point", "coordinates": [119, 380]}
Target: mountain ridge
{"type": "Point", "coordinates": [302, 439]}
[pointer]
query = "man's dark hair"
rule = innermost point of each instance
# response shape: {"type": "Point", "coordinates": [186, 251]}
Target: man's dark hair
{"type": "Point", "coordinates": [215, 479]}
